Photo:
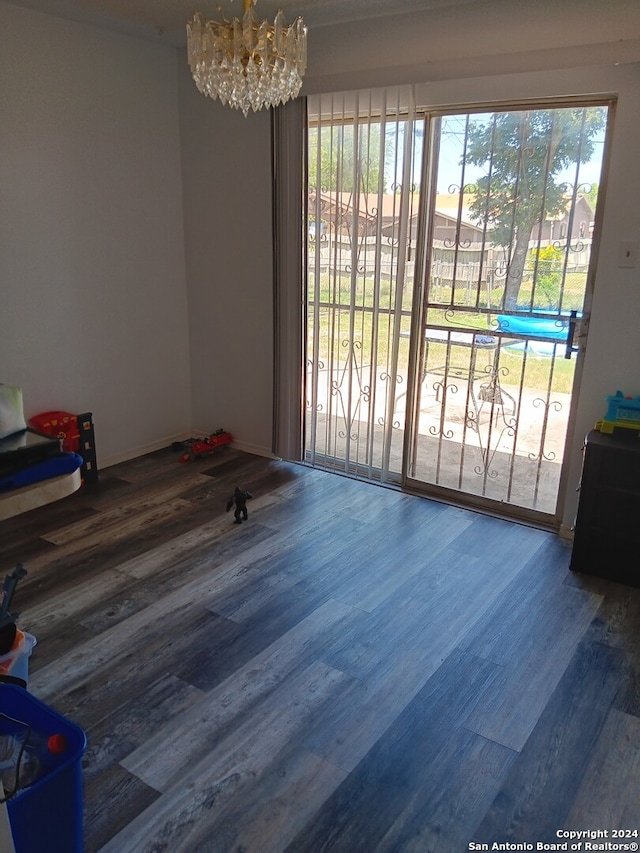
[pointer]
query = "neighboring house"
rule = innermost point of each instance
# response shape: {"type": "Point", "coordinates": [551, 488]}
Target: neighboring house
{"type": "Point", "coordinates": [453, 223]}
{"type": "Point", "coordinates": [459, 242]}
{"type": "Point", "coordinates": [345, 213]}
{"type": "Point", "coordinates": [557, 227]}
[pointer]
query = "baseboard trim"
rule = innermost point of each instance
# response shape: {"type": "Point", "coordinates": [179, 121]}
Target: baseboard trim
{"type": "Point", "coordinates": [566, 532]}
{"type": "Point", "coordinates": [134, 453]}
{"type": "Point", "coordinates": [256, 449]}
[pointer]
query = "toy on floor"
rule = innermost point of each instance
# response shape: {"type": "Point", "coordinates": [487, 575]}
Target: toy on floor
{"type": "Point", "coordinates": [239, 498]}
{"type": "Point", "coordinates": [8, 628]}
{"type": "Point", "coordinates": [15, 645]}
{"type": "Point", "coordinates": [622, 412]}
{"type": "Point", "coordinates": [199, 446]}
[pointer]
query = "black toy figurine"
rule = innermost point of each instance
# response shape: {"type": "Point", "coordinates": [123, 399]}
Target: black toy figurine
{"type": "Point", "coordinates": [239, 498]}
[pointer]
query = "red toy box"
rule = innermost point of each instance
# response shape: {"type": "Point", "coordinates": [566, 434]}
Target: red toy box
{"type": "Point", "coordinates": [62, 425]}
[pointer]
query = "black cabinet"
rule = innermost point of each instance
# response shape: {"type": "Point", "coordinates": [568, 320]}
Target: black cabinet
{"type": "Point", "coordinates": [607, 531]}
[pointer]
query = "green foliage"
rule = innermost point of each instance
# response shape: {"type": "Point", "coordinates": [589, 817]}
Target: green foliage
{"type": "Point", "coordinates": [522, 154]}
{"type": "Point", "coordinates": [346, 159]}
{"type": "Point", "coordinates": [592, 196]}
{"type": "Point", "coordinates": [546, 267]}
{"type": "Point", "coordinates": [373, 157]}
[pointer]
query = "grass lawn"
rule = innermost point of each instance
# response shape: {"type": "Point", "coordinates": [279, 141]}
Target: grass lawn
{"type": "Point", "coordinates": [338, 324]}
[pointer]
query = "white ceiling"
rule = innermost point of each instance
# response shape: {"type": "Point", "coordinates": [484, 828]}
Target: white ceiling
{"type": "Point", "coordinates": [392, 41]}
{"type": "Point", "coordinates": [166, 19]}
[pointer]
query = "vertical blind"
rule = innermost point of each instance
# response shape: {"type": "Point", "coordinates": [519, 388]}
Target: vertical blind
{"type": "Point", "coordinates": [362, 210]}
{"type": "Point", "coordinates": [289, 127]}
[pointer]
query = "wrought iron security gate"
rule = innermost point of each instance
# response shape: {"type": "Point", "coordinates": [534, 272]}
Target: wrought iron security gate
{"type": "Point", "coordinates": [363, 206]}
{"type": "Point", "coordinates": [455, 372]}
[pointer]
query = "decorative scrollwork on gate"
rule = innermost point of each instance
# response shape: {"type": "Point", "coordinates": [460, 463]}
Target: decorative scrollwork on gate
{"type": "Point", "coordinates": [444, 388]}
{"type": "Point", "coordinates": [569, 189]}
{"type": "Point", "coordinates": [465, 189]}
{"type": "Point", "coordinates": [311, 370]}
{"type": "Point", "coordinates": [492, 394]}
{"type": "Point", "coordinates": [358, 390]}
{"type": "Point", "coordinates": [548, 456]}
{"type": "Point", "coordinates": [456, 242]}
{"type": "Point", "coordinates": [387, 377]}
{"type": "Point", "coordinates": [503, 426]}
{"type": "Point", "coordinates": [577, 247]}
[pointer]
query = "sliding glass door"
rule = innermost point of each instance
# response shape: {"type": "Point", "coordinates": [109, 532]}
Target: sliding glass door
{"type": "Point", "coordinates": [450, 262]}
{"type": "Point", "coordinates": [505, 300]}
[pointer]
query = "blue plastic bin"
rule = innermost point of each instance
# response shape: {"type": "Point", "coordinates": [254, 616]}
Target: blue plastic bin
{"type": "Point", "coordinates": [47, 815]}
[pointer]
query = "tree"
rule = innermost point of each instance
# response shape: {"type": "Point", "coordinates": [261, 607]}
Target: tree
{"type": "Point", "coordinates": [337, 152]}
{"type": "Point", "coordinates": [591, 195]}
{"type": "Point", "coordinates": [523, 153]}
{"type": "Point", "coordinates": [547, 262]}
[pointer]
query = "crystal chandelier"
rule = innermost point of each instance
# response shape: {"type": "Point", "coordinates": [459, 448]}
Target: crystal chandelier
{"type": "Point", "coordinates": [248, 64]}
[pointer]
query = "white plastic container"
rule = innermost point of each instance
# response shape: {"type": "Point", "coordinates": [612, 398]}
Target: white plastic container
{"type": "Point", "coordinates": [15, 664]}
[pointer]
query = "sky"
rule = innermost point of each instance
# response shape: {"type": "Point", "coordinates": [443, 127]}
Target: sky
{"type": "Point", "coordinates": [452, 147]}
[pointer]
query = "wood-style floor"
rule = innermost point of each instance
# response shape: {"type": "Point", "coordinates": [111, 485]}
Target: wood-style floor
{"type": "Point", "coordinates": [352, 669]}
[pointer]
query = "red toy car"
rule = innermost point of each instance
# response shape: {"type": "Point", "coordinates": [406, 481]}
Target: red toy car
{"type": "Point", "coordinates": [199, 446]}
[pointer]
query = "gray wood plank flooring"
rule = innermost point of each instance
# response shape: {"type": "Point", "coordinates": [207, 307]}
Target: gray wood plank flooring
{"type": "Point", "coordinates": [352, 669]}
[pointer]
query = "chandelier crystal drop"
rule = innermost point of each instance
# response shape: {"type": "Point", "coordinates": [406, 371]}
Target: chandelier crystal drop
{"type": "Point", "coordinates": [247, 64]}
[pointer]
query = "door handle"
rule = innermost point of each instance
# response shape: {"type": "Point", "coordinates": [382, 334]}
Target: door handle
{"type": "Point", "coordinates": [577, 329]}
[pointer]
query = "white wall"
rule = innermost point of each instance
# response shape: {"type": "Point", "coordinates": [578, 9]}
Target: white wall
{"type": "Point", "coordinates": [93, 313]}
{"type": "Point", "coordinates": [226, 171]}
{"type": "Point", "coordinates": [464, 40]}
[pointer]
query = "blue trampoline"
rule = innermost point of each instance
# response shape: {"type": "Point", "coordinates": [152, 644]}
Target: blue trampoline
{"type": "Point", "coordinates": [533, 328]}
